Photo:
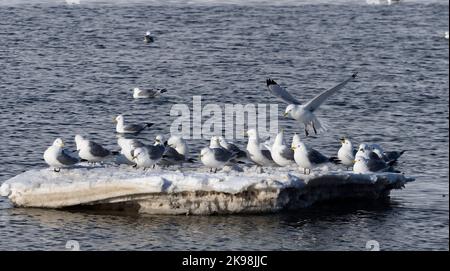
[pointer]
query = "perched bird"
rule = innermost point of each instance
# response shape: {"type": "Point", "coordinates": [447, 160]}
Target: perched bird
{"type": "Point", "coordinates": [346, 153]}
{"type": "Point", "coordinates": [308, 158]}
{"type": "Point", "coordinates": [304, 113]}
{"type": "Point", "coordinates": [176, 152]}
{"type": "Point", "coordinates": [91, 151]}
{"type": "Point", "coordinates": [149, 93]}
{"type": "Point", "coordinates": [58, 157]}
{"type": "Point", "coordinates": [240, 154]}
{"type": "Point", "coordinates": [371, 164]}
{"type": "Point", "coordinates": [386, 156]}
{"type": "Point", "coordinates": [127, 146]}
{"type": "Point", "coordinates": [295, 140]}
{"type": "Point", "coordinates": [363, 151]}
{"type": "Point", "coordinates": [148, 38]}
{"type": "Point", "coordinates": [215, 156]}
{"type": "Point", "coordinates": [281, 154]}
{"type": "Point", "coordinates": [150, 155]}
{"type": "Point", "coordinates": [256, 153]}
{"type": "Point", "coordinates": [121, 128]}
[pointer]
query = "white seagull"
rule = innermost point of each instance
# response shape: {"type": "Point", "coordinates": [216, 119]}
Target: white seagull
{"type": "Point", "coordinates": [256, 153]}
{"type": "Point", "coordinates": [308, 158]}
{"type": "Point", "coordinates": [58, 157]}
{"type": "Point", "coordinates": [91, 151]}
{"type": "Point", "coordinates": [304, 113]}
{"type": "Point", "coordinates": [346, 153]}
{"type": "Point", "coordinates": [176, 152]}
{"type": "Point", "coordinates": [148, 93]}
{"type": "Point", "coordinates": [121, 128]}
{"type": "Point", "coordinates": [281, 154]}
{"type": "Point", "coordinates": [215, 156]}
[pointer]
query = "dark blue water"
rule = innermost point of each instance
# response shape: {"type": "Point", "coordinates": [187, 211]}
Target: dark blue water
{"type": "Point", "coordinates": [69, 69]}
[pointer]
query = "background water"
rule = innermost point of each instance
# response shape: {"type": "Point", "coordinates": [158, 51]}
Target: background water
{"type": "Point", "coordinates": [69, 69]}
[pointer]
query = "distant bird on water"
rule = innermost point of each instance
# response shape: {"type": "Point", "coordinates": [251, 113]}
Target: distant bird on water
{"type": "Point", "coordinates": [148, 38]}
{"type": "Point", "coordinates": [121, 128]}
{"type": "Point", "coordinates": [147, 93]}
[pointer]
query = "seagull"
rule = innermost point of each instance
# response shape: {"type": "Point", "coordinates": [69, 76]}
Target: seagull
{"type": "Point", "coordinates": [121, 128]}
{"type": "Point", "coordinates": [295, 140]}
{"type": "Point", "coordinates": [304, 113]}
{"type": "Point", "coordinates": [371, 164]}
{"type": "Point", "coordinates": [308, 158]}
{"type": "Point", "coordinates": [176, 152]}
{"type": "Point", "coordinates": [346, 153]}
{"type": "Point", "coordinates": [148, 37]}
{"type": "Point", "coordinates": [281, 154]}
{"type": "Point", "coordinates": [446, 35]}
{"type": "Point", "coordinates": [256, 153]}
{"type": "Point", "coordinates": [148, 156]}
{"type": "Point", "coordinates": [215, 156]}
{"type": "Point", "coordinates": [58, 157]}
{"type": "Point", "coordinates": [386, 156]}
{"type": "Point", "coordinates": [91, 151]}
{"type": "Point", "coordinates": [149, 93]}
{"type": "Point", "coordinates": [127, 146]}
{"type": "Point", "coordinates": [363, 151]}
{"type": "Point", "coordinates": [240, 154]}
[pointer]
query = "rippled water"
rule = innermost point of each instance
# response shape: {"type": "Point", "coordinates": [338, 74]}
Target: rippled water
{"type": "Point", "coordinates": [69, 69]}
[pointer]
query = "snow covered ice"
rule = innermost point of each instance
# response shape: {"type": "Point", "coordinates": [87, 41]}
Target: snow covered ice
{"type": "Point", "coordinates": [193, 191]}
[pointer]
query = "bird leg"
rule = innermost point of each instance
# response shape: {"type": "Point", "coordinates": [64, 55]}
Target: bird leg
{"type": "Point", "coordinates": [314, 127]}
{"type": "Point", "coordinates": [306, 130]}
{"type": "Point", "coordinates": [215, 170]}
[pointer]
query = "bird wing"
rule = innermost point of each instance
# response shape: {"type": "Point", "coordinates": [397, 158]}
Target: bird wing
{"type": "Point", "coordinates": [319, 99]}
{"type": "Point", "coordinates": [172, 155]}
{"type": "Point", "coordinates": [136, 128]}
{"type": "Point", "coordinates": [316, 157]}
{"type": "Point", "coordinates": [66, 159]}
{"type": "Point", "coordinates": [267, 154]}
{"type": "Point", "coordinates": [280, 92]}
{"type": "Point", "coordinates": [287, 153]}
{"type": "Point", "coordinates": [222, 155]}
{"type": "Point", "coordinates": [98, 150]}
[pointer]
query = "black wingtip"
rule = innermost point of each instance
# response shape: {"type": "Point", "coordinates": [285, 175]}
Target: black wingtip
{"type": "Point", "coordinates": [355, 74]}
{"type": "Point", "coordinates": [115, 152]}
{"type": "Point", "coordinates": [163, 90]}
{"type": "Point", "coordinates": [192, 160]}
{"type": "Point", "coordinates": [270, 82]}
{"type": "Point", "coordinates": [335, 160]}
{"type": "Point", "coordinates": [149, 124]}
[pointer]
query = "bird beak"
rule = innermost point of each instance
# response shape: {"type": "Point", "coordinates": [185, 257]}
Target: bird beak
{"type": "Point", "coordinates": [354, 161]}
{"type": "Point", "coordinates": [114, 120]}
{"type": "Point", "coordinates": [245, 133]}
{"type": "Point", "coordinates": [342, 140]}
{"type": "Point", "coordinates": [285, 114]}
{"type": "Point", "coordinates": [62, 144]}
{"type": "Point", "coordinates": [293, 148]}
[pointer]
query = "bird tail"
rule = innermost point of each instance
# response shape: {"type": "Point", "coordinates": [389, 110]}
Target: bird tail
{"type": "Point", "coordinates": [149, 124]}
{"type": "Point", "coordinates": [115, 152]}
{"type": "Point", "coordinates": [320, 126]}
{"type": "Point", "coordinates": [334, 160]}
{"type": "Point", "coordinates": [191, 160]}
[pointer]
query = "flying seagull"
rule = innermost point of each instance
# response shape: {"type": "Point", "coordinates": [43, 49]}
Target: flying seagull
{"type": "Point", "coordinates": [304, 113]}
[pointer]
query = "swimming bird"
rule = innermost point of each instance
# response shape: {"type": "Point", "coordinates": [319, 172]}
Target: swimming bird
{"type": "Point", "coordinates": [281, 154]}
{"type": "Point", "coordinates": [121, 128]}
{"type": "Point", "coordinates": [148, 93]}
{"type": "Point", "coordinates": [91, 151]}
{"type": "Point", "coordinates": [148, 38]}
{"type": "Point", "coordinates": [309, 158]}
{"type": "Point", "coordinates": [215, 156]}
{"type": "Point", "coordinates": [256, 153]}
{"type": "Point", "coordinates": [304, 113]}
{"type": "Point", "coordinates": [446, 35]}
{"type": "Point", "coordinates": [346, 153]}
{"type": "Point", "coordinates": [58, 157]}
{"type": "Point", "coordinates": [176, 152]}
{"type": "Point", "coordinates": [240, 154]}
